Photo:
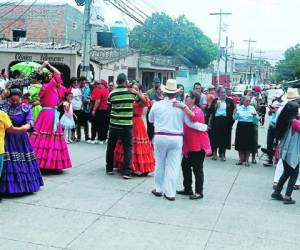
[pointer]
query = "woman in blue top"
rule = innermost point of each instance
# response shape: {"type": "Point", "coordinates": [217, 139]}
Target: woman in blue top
{"type": "Point", "coordinates": [246, 116]}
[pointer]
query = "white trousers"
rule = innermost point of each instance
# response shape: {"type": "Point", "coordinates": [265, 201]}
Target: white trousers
{"type": "Point", "coordinates": [168, 156]}
{"type": "Point", "coordinates": [279, 171]}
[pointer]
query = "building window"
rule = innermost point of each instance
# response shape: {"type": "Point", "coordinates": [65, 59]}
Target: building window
{"type": "Point", "coordinates": [110, 79]}
{"type": "Point", "coordinates": [159, 76]}
{"type": "Point", "coordinates": [131, 74]}
{"type": "Point", "coordinates": [19, 35]}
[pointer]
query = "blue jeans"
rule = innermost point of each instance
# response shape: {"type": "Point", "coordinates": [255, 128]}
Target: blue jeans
{"type": "Point", "coordinates": [1, 164]}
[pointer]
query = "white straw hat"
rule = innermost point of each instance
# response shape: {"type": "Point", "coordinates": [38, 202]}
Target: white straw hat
{"type": "Point", "coordinates": [291, 95]}
{"type": "Point", "coordinates": [170, 87]}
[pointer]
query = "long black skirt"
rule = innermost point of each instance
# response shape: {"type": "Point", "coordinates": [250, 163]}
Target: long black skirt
{"type": "Point", "coordinates": [245, 137]}
{"type": "Point", "coordinates": [221, 133]}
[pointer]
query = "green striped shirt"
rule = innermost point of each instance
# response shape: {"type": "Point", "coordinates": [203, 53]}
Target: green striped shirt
{"type": "Point", "coordinates": [121, 102]}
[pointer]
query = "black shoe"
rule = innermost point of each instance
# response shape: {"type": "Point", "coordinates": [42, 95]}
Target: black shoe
{"type": "Point", "coordinates": [185, 192]}
{"type": "Point", "coordinates": [264, 150]}
{"type": "Point", "coordinates": [169, 198]}
{"type": "Point", "coordinates": [157, 194]}
{"type": "Point", "coordinates": [288, 201]}
{"type": "Point", "coordinates": [276, 196]}
{"type": "Point", "coordinates": [268, 164]}
{"type": "Point", "coordinates": [127, 177]}
{"type": "Point", "coordinates": [196, 196]}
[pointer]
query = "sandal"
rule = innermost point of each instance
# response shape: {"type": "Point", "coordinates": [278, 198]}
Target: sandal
{"type": "Point", "coordinates": [214, 158]}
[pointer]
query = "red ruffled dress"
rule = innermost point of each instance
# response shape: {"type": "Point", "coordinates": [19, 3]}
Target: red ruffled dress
{"type": "Point", "coordinates": [143, 161]}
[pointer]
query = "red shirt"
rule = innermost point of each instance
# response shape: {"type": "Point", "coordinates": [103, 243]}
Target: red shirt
{"type": "Point", "coordinates": [102, 95]}
{"type": "Point", "coordinates": [210, 98]}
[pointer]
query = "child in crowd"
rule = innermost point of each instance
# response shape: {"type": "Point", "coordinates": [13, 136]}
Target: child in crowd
{"type": "Point", "coordinates": [67, 120]}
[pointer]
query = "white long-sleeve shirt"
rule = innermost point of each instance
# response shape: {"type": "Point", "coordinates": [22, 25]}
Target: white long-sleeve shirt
{"type": "Point", "coordinates": [168, 119]}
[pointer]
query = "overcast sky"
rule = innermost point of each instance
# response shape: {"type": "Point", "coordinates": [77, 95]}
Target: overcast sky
{"type": "Point", "coordinates": [272, 23]}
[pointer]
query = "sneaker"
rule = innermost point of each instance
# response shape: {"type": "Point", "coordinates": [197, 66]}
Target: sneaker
{"type": "Point", "coordinates": [101, 142]}
{"type": "Point", "coordinates": [110, 173]}
{"type": "Point", "coordinates": [88, 141]}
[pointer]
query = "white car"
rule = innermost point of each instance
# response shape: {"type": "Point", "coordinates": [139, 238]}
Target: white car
{"type": "Point", "coordinates": [239, 90]}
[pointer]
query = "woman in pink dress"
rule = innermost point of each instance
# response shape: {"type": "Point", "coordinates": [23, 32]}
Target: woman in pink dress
{"type": "Point", "coordinates": [47, 140]}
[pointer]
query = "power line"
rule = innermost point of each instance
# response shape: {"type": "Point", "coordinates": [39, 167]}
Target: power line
{"type": "Point", "coordinates": [141, 13]}
{"type": "Point", "coordinates": [30, 6]}
{"type": "Point", "coordinates": [117, 5]}
{"type": "Point", "coordinates": [8, 3]}
{"type": "Point", "coordinates": [16, 6]}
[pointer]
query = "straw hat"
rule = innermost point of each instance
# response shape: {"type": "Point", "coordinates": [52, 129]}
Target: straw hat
{"type": "Point", "coordinates": [291, 95]}
{"type": "Point", "coordinates": [170, 87]}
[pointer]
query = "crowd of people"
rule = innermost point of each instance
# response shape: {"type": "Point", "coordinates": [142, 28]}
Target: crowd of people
{"type": "Point", "coordinates": [180, 131]}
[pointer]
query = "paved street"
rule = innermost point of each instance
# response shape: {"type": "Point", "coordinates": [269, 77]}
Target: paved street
{"type": "Point", "coordinates": [85, 209]}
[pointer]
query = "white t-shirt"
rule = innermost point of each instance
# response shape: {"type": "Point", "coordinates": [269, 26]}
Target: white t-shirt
{"type": "Point", "coordinates": [77, 98]}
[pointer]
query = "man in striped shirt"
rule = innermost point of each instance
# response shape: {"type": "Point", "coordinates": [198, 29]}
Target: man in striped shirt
{"type": "Point", "coordinates": [120, 101]}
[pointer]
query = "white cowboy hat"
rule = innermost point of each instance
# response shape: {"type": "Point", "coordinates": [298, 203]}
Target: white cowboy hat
{"type": "Point", "coordinates": [170, 87]}
{"type": "Point", "coordinates": [292, 94]}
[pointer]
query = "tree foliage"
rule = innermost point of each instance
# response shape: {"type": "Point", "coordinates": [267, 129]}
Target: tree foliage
{"type": "Point", "coordinates": [289, 68]}
{"type": "Point", "coordinates": [163, 35]}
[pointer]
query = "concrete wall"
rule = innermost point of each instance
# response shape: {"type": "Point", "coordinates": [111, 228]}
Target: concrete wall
{"type": "Point", "coordinates": [189, 79]}
{"type": "Point", "coordinates": [121, 66]}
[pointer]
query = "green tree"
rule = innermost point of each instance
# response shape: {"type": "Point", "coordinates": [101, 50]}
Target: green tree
{"type": "Point", "coordinates": [163, 35]}
{"type": "Point", "coordinates": [289, 67]}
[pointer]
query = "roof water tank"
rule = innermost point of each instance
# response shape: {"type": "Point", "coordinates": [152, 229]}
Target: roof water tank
{"type": "Point", "coordinates": [104, 39]}
{"type": "Point", "coordinates": [120, 33]}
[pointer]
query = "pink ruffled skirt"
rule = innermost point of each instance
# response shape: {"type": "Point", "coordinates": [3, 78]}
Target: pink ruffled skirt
{"type": "Point", "coordinates": [49, 146]}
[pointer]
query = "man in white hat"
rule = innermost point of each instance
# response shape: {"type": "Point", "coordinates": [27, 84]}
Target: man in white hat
{"type": "Point", "coordinates": [168, 123]}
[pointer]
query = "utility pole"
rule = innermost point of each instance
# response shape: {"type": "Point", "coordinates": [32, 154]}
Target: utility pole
{"type": "Point", "coordinates": [249, 41]}
{"type": "Point", "coordinates": [220, 14]}
{"type": "Point", "coordinates": [232, 61]}
{"type": "Point", "coordinates": [85, 58]}
{"type": "Point", "coordinates": [226, 60]}
{"type": "Point", "coordinates": [260, 52]}
{"type": "Point", "coordinates": [251, 58]}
